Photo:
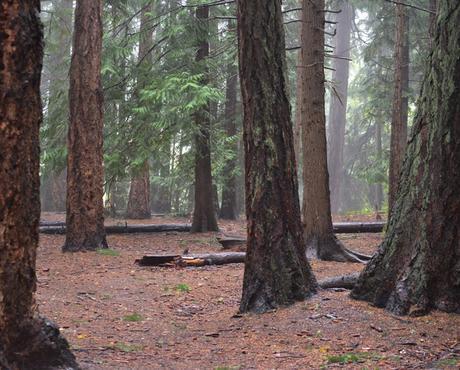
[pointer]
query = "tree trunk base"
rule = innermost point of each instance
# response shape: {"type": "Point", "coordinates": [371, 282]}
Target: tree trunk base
{"type": "Point", "coordinates": [39, 345]}
{"type": "Point", "coordinates": [332, 249]}
{"type": "Point", "coordinates": [87, 245]}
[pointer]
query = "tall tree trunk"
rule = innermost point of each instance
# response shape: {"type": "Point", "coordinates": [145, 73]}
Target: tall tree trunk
{"type": "Point", "coordinates": [338, 104]}
{"type": "Point", "coordinates": [276, 270]}
{"type": "Point", "coordinates": [400, 102]}
{"type": "Point", "coordinates": [204, 216]}
{"type": "Point", "coordinates": [320, 239]}
{"type": "Point", "coordinates": [139, 191]}
{"type": "Point", "coordinates": [139, 194]}
{"type": "Point", "coordinates": [378, 186]}
{"type": "Point", "coordinates": [61, 34]}
{"type": "Point", "coordinates": [85, 174]}
{"type": "Point", "coordinates": [27, 341]}
{"type": "Point", "coordinates": [229, 207]}
{"type": "Point", "coordinates": [418, 265]}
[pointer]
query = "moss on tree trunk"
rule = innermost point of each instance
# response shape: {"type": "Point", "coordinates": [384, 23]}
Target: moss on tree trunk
{"type": "Point", "coordinates": [418, 264]}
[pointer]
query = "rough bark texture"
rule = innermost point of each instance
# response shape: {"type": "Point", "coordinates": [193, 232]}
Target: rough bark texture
{"type": "Point", "coordinates": [276, 270]}
{"type": "Point", "coordinates": [338, 104]}
{"type": "Point", "coordinates": [317, 221]}
{"type": "Point", "coordinates": [229, 207]}
{"type": "Point", "coordinates": [139, 191]}
{"type": "Point", "coordinates": [204, 216]}
{"type": "Point", "coordinates": [25, 342]}
{"type": "Point", "coordinates": [85, 209]}
{"type": "Point", "coordinates": [139, 194]}
{"type": "Point", "coordinates": [400, 102]}
{"type": "Point", "coordinates": [418, 265]}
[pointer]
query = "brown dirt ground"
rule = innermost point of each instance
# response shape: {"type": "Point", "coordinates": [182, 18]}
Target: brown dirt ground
{"type": "Point", "coordinates": [117, 315]}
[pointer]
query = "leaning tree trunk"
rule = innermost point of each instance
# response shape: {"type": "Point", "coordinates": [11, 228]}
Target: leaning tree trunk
{"type": "Point", "coordinates": [418, 265]}
{"type": "Point", "coordinates": [320, 239]}
{"type": "Point", "coordinates": [139, 191]}
{"type": "Point", "coordinates": [229, 207]}
{"type": "Point", "coordinates": [204, 216]}
{"type": "Point", "coordinates": [276, 270]}
{"type": "Point", "coordinates": [27, 341]}
{"type": "Point", "coordinates": [338, 104]}
{"type": "Point", "coordinates": [400, 102]}
{"type": "Point", "coordinates": [85, 209]}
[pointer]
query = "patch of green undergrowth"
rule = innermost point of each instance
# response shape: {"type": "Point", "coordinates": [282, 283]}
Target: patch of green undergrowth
{"type": "Point", "coordinates": [349, 358]}
{"type": "Point", "coordinates": [125, 347]}
{"type": "Point", "coordinates": [227, 368]}
{"type": "Point", "coordinates": [134, 317]}
{"type": "Point", "coordinates": [447, 363]}
{"type": "Point", "coordinates": [107, 252]}
{"type": "Point", "coordinates": [183, 288]}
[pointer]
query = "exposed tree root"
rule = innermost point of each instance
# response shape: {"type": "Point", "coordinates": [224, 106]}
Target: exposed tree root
{"type": "Point", "coordinates": [39, 345]}
{"type": "Point", "coordinates": [332, 249]}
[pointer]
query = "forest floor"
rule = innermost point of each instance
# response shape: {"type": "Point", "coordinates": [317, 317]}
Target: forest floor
{"type": "Point", "coordinates": [117, 315]}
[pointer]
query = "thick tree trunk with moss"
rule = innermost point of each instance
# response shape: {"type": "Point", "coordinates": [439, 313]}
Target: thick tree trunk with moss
{"type": "Point", "coordinates": [276, 269]}
{"type": "Point", "coordinates": [204, 215]}
{"type": "Point", "coordinates": [320, 239]}
{"type": "Point", "coordinates": [139, 191]}
{"type": "Point", "coordinates": [27, 341]}
{"type": "Point", "coordinates": [85, 209]}
{"type": "Point", "coordinates": [338, 104]}
{"type": "Point", "coordinates": [400, 102]}
{"type": "Point", "coordinates": [229, 207]}
{"type": "Point", "coordinates": [418, 265]}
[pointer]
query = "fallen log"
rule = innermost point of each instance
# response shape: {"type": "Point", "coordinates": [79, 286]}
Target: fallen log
{"type": "Point", "coordinates": [230, 241]}
{"type": "Point", "coordinates": [124, 229]}
{"type": "Point", "coordinates": [52, 223]}
{"type": "Point", "coordinates": [197, 260]}
{"type": "Point", "coordinates": [357, 227]}
{"type": "Point", "coordinates": [192, 260]}
{"type": "Point", "coordinates": [344, 281]}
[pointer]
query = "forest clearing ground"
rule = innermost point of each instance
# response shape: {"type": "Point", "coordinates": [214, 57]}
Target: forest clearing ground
{"type": "Point", "coordinates": [117, 315]}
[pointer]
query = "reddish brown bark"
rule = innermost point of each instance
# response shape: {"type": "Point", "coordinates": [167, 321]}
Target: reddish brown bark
{"type": "Point", "coordinates": [204, 215]}
{"type": "Point", "coordinates": [85, 209]}
{"type": "Point", "coordinates": [317, 221]}
{"type": "Point", "coordinates": [26, 340]}
{"type": "Point", "coordinates": [276, 270]}
{"type": "Point", "coordinates": [400, 102]}
{"type": "Point", "coordinates": [338, 104]}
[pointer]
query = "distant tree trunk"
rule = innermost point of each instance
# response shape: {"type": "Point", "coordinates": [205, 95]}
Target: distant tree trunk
{"type": "Point", "coordinates": [27, 341]}
{"type": "Point", "coordinates": [320, 239]}
{"type": "Point", "coordinates": [59, 190]}
{"type": "Point", "coordinates": [338, 104]}
{"type": "Point", "coordinates": [139, 194]}
{"type": "Point", "coordinates": [85, 208]}
{"type": "Point", "coordinates": [400, 102]}
{"type": "Point", "coordinates": [53, 198]}
{"type": "Point", "coordinates": [418, 265]}
{"type": "Point", "coordinates": [378, 186]}
{"type": "Point", "coordinates": [139, 191]}
{"type": "Point", "coordinates": [276, 270]}
{"type": "Point", "coordinates": [297, 131]}
{"type": "Point", "coordinates": [229, 207]}
{"type": "Point", "coordinates": [204, 216]}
